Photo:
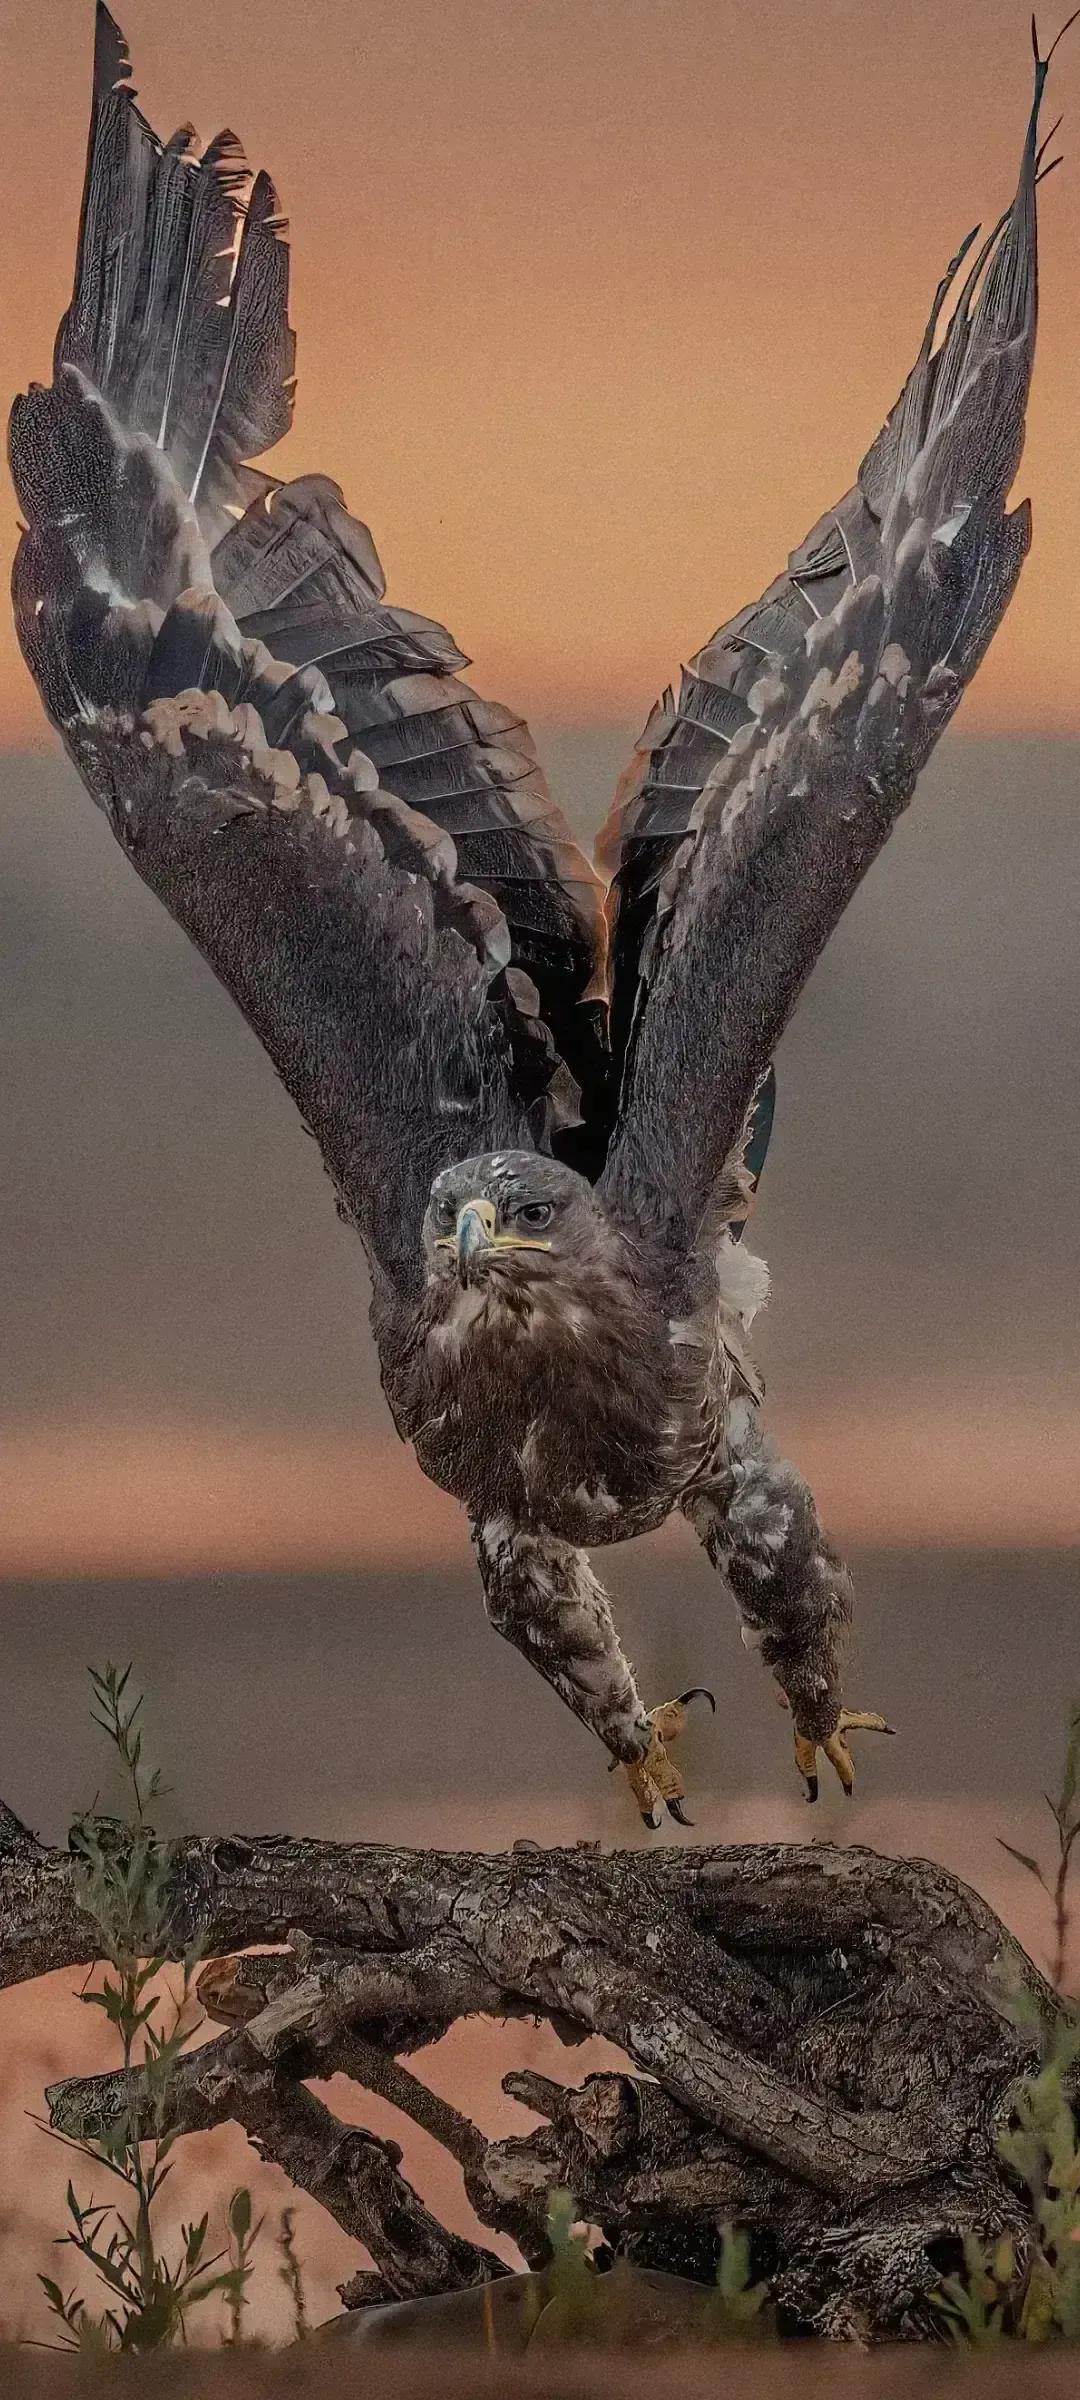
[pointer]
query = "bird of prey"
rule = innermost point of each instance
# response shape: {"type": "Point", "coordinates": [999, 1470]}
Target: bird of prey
{"type": "Point", "coordinates": [540, 1087]}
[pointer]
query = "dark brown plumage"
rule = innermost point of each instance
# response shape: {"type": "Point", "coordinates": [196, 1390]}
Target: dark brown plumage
{"type": "Point", "coordinates": [535, 1110]}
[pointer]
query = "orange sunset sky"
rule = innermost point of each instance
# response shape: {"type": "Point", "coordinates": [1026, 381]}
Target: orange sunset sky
{"type": "Point", "coordinates": [598, 301]}
{"type": "Point", "coordinates": [598, 304]}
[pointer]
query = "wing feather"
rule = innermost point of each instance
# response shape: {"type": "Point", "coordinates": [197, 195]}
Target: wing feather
{"type": "Point", "coordinates": [301, 574]}
{"type": "Point", "coordinates": [331, 910]}
{"type": "Point", "coordinates": [287, 757]}
{"type": "Point", "coordinates": [769, 781]}
{"type": "Point", "coordinates": [179, 310]}
{"type": "Point", "coordinates": [762, 789]}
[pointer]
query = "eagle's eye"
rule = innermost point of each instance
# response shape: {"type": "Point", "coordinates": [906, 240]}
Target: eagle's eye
{"type": "Point", "coordinates": [443, 1211]}
{"type": "Point", "coordinates": [534, 1214]}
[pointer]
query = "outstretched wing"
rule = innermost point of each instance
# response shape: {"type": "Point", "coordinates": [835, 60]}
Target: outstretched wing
{"type": "Point", "coordinates": [363, 849]}
{"type": "Point", "coordinates": [760, 794]}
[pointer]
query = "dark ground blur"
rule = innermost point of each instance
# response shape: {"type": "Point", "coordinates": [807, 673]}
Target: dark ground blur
{"type": "Point", "coordinates": [330, 2374]}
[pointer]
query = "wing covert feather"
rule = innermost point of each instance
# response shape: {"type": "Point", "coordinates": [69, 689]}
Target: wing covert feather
{"type": "Point", "coordinates": [303, 575]}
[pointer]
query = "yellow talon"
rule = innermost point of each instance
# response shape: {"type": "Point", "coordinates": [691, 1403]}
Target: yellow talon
{"type": "Point", "coordinates": [655, 1779]}
{"type": "Point", "coordinates": [835, 1748]}
{"type": "Point", "coordinates": [839, 1756]}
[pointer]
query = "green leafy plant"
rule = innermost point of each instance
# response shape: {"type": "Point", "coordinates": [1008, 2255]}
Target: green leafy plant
{"type": "Point", "coordinates": [571, 2302]}
{"type": "Point", "coordinates": [736, 2308]}
{"type": "Point", "coordinates": [1029, 2287]}
{"type": "Point", "coordinates": [978, 2301]}
{"type": "Point", "coordinates": [122, 1874]}
{"type": "Point", "coordinates": [1055, 1882]}
{"type": "Point", "coordinates": [576, 2302]}
{"type": "Point", "coordinates": [243, 2235]}
{"type": "Point", "coordinates": [291, 2274]}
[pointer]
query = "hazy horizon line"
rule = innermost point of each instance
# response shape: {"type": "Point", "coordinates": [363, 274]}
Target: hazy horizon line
{"type": "Point", "coordinates": [42, 741]}
{"type": "Point", "coordinates": [131, 1497]}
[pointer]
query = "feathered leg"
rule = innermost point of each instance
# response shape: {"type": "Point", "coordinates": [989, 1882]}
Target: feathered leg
{"type": "Point", "coordinates": [541, 1595]}
{"type": "Point", "coordinates": [757, 1520]}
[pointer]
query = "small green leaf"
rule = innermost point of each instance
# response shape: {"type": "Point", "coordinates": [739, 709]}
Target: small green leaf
{"type": "Point", "coordinates": [1023, 1860]}
{"type": "Point", "coordinates": [1071, 1780]}
{"type": "Point", "coordinates": [194, 2241]}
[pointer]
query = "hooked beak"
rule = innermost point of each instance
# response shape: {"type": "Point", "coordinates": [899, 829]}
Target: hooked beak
{"type": "Point", "coordinates": [475, 1232]}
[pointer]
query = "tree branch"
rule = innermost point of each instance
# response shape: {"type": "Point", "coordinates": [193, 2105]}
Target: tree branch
{"type": "Point", "coordinates": [825, 2036]}
{"type": "Point", "coordinates": [351, 2172]}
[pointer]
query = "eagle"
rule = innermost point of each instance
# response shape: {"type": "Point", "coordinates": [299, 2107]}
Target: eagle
{"type": "Point", "coordinates": [541, 1086]}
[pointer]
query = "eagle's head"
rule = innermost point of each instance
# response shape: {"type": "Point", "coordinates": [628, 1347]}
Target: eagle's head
{"type": "Point", "coordinates": [513, 1215]}
{"type": "Point", "coordinates": [543, 1363]}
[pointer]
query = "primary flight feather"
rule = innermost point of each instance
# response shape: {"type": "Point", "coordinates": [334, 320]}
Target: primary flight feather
{"type": "Point", "coordinates": [542, 1101]}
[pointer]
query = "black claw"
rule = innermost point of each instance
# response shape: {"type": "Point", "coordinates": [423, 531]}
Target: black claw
{"type": "Point", "coordinates": [676, 1810]}
{"type": "Point", "coordinates": [653, 1818]}
{"type": "Point", "coordinates": [697, 1691]}
{"type": "Point", "coordinates": [811, 1790]}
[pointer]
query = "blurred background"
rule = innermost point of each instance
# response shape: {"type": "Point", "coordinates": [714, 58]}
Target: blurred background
{"type": "Point", "coordinates": [599, 303]}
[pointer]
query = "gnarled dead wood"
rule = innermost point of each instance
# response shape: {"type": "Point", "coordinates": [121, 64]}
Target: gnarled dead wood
{"type": "Point", "coordinates": [819, 2043]}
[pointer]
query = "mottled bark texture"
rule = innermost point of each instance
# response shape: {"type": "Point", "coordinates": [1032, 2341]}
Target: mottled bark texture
{"type": "Point", "coordinates": [819, 2044]}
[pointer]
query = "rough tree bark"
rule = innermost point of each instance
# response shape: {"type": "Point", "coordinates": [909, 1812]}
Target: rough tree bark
{"type": "Point", "coordinates": [819, 2044]}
